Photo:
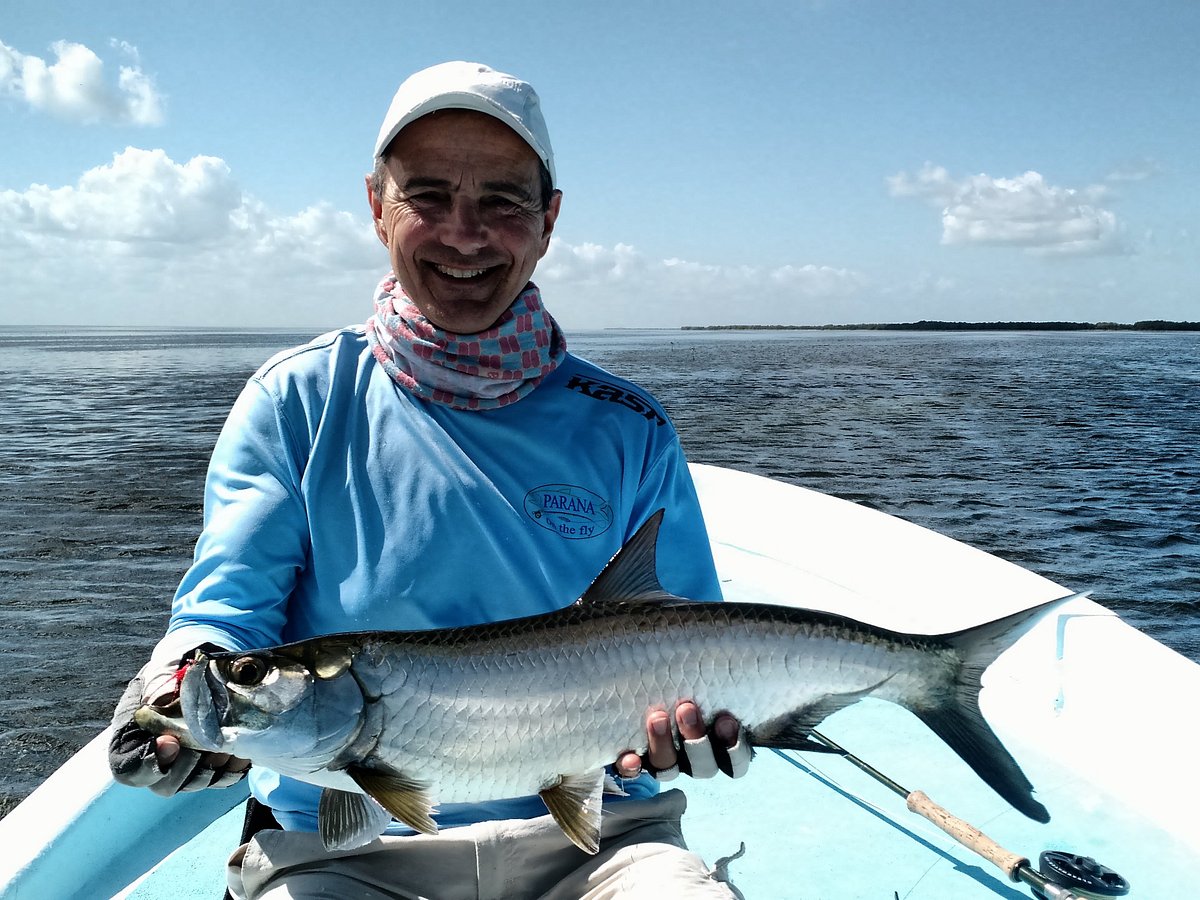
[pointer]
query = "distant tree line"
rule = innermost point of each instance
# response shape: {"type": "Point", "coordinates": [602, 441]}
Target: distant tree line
{"type": "Point", "coordinates": [935, 325]}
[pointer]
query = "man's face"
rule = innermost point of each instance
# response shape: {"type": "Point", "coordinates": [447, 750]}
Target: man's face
{"type": "Point", "coordinates": [460, 212]}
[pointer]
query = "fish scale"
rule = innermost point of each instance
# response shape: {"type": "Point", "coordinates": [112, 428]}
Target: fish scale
{"type": "Point", "coordinates": [543, 704]}
{"type": "Point", "coordinates": [466, 722]}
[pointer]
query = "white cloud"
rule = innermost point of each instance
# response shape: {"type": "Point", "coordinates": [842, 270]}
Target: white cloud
{"type": "Point", "coordinates": [1136, 170]}
{"type": "Point", "coordinates": [589, 286]}
{"type": "Point", "coordinates": [77, 88]}
{"type": "Point", "coordinates": [144, 224]}
{"type": "Point", "coordinates": [1017, 212]}
{"type": "Point", "coordinates": [142, 197]}
{"type": "Point", "coordinates": [144, 227]}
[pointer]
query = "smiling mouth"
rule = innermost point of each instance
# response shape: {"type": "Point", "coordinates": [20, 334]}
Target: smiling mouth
{"type": "Point", "coordinates": [460, 274]}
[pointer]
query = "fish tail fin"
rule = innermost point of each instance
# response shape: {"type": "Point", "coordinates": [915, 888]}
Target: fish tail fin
{"type": "Point", "coordinates": [961, 724]}
{"type": "Point", "coordinates": [973, 739]}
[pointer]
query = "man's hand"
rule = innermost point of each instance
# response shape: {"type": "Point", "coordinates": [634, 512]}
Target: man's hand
{"type": "Point", "coordinates": [697, 757]}
{"type": "Point", "coordinates": [159, 761]}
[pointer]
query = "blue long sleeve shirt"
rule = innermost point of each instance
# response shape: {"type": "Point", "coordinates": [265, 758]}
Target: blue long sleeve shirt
{"type": "Point", "coordinates": [336, 501]}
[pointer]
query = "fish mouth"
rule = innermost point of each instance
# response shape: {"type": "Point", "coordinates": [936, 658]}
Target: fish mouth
{"type": "Point", "coordinates": [205, 704]}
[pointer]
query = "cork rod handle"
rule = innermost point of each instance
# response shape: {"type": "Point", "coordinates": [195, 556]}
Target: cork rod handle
{"type": "Point", "coordinates": [967, 835]}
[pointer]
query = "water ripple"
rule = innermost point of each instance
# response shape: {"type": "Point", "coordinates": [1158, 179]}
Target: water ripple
{"type": "Point", "coordinates": [1073, 455]}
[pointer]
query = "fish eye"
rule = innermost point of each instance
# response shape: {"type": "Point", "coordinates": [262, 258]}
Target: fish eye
{"type": "Point", "coordinates": [247, 671]}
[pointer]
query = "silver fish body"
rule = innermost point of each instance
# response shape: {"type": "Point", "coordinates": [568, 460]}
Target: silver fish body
{"type": "Point", "coordinates": [543, 704]}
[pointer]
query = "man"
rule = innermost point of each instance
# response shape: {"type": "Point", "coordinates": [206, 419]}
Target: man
{"type": "Point", "coordinates": [411, 474]}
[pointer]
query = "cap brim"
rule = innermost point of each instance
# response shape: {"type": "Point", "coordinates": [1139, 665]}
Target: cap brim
{"type": "Point", "coordinates": [462, 100]}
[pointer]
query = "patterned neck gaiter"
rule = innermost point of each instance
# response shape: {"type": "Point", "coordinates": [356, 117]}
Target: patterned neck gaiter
{"type": "Point", "coordinates": [488, 370]}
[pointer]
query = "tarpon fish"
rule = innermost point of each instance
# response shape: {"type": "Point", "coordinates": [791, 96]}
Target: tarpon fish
{"type": "Point", "coordinates": [543, 704]}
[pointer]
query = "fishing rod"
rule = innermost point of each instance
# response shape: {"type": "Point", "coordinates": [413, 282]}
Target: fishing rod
{"type": "Point", "coordinates": [1063, 876]}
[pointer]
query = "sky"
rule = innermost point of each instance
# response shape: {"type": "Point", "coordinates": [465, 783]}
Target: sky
{"type": "Point", "coordinates": [823, 162]}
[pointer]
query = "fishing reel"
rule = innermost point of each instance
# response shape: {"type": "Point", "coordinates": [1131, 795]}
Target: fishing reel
{"type": "Point", "coordinates": [1081, 876]}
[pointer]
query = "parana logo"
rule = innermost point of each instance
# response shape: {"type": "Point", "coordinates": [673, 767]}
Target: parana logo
{"type": "Point", "coordinates": [569, 510]}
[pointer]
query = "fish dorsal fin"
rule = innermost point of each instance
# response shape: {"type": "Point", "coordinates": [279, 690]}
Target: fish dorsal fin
{"type": "Point", "coordinates": [575, 805]}
{"type": "Point", "coordinates": [633, 573]}
{"type": "Point", "coordinates": [405, 798]}
{"type": "Point", "coordinates": [348, 820]}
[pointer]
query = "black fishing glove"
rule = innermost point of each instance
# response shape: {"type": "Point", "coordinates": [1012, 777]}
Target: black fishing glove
{"type": "Point", "coordinates": [722, 746]}
{"type": "Point", "coordinates": [704, 756]}
{"type": "Point", "coordinates": [131, 749]}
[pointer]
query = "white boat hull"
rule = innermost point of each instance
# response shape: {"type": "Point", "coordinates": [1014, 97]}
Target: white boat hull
{"type": "Point", "coordinates": [1098, 715]}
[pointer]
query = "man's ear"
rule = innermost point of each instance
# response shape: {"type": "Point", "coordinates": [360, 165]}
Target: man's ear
{"type": "Point", "coordinates": [376, 204]}
{"type": "Point", "coordinates": [549, 217]}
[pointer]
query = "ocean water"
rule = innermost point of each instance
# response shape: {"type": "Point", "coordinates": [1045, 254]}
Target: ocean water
{"type": "Point", "coordinates": [1073, 454]}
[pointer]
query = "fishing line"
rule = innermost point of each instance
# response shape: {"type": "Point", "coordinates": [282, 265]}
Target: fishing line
{"type": "Point", "coordinates": [1063, 876]}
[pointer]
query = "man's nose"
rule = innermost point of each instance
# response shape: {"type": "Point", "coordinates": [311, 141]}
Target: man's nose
{"type": "Point", "coordinates": [463, 228]}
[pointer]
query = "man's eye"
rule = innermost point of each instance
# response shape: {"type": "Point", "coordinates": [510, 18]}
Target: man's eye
{"type": "Point", "coordinates": [503, 204]}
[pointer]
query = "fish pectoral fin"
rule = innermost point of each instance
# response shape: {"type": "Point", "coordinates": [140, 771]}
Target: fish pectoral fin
{"type": "Point", "coordinates": [612, 788]}
{"type": "Point", "coordinates": [407, 799]}
{"type": "Point", "coordinates": [347, 820]}
{"type": "Point", "coordinates": [792, 730]}
{"type": "Point", "coordinates": [575, 805]}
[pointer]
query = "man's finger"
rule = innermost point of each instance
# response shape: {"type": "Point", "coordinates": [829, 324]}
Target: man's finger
{"type": "Point", "coordinates": [740, 755]}
{"type": "Point", "coordinates": [731, 746]}
{"type": "Point", "coordinates": [700, 757]}
{"type": "Point", "coordinates": [691, 724]}
{"type": "Point", "coordinates": [670, 773]}
{"type": "Point", "coordinates": [225, 779]}
{"type": "Point", "coordinates": [629, 765]}
{"type": "Point", "coordinates": [166, 750]}
{"type": "Point", "coordinates": [662, 745]}
{"type": "Point", "coordinates": [179, 774]}
{"type": "Point", "coordinates": [727, 729]}
{"type": "Point", "coordinates": [234, 770]}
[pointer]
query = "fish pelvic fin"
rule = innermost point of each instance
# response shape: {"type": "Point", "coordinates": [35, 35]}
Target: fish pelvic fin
{"type": "Point", "coordinates": [575, 804]}
{"type": "Point", "coordinates": [347, 820]}
{"type": "Point", "coordinates": [408, 799]}
{"type": "Point", "coordinates": [633, 573]}
{"type": "Point", "coordinates": [961, 724]}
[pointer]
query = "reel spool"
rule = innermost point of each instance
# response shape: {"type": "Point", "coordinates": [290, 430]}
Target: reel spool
{"type": "Point", "coordinates": [1081, 875]}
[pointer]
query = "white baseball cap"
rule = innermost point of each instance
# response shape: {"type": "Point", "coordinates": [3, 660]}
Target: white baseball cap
{"type": "Point", "coordinates": [466, 85]}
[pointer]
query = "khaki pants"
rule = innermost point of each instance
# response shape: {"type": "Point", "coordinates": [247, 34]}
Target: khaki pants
{"type": "Point", "coordinates": [642, 855]}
